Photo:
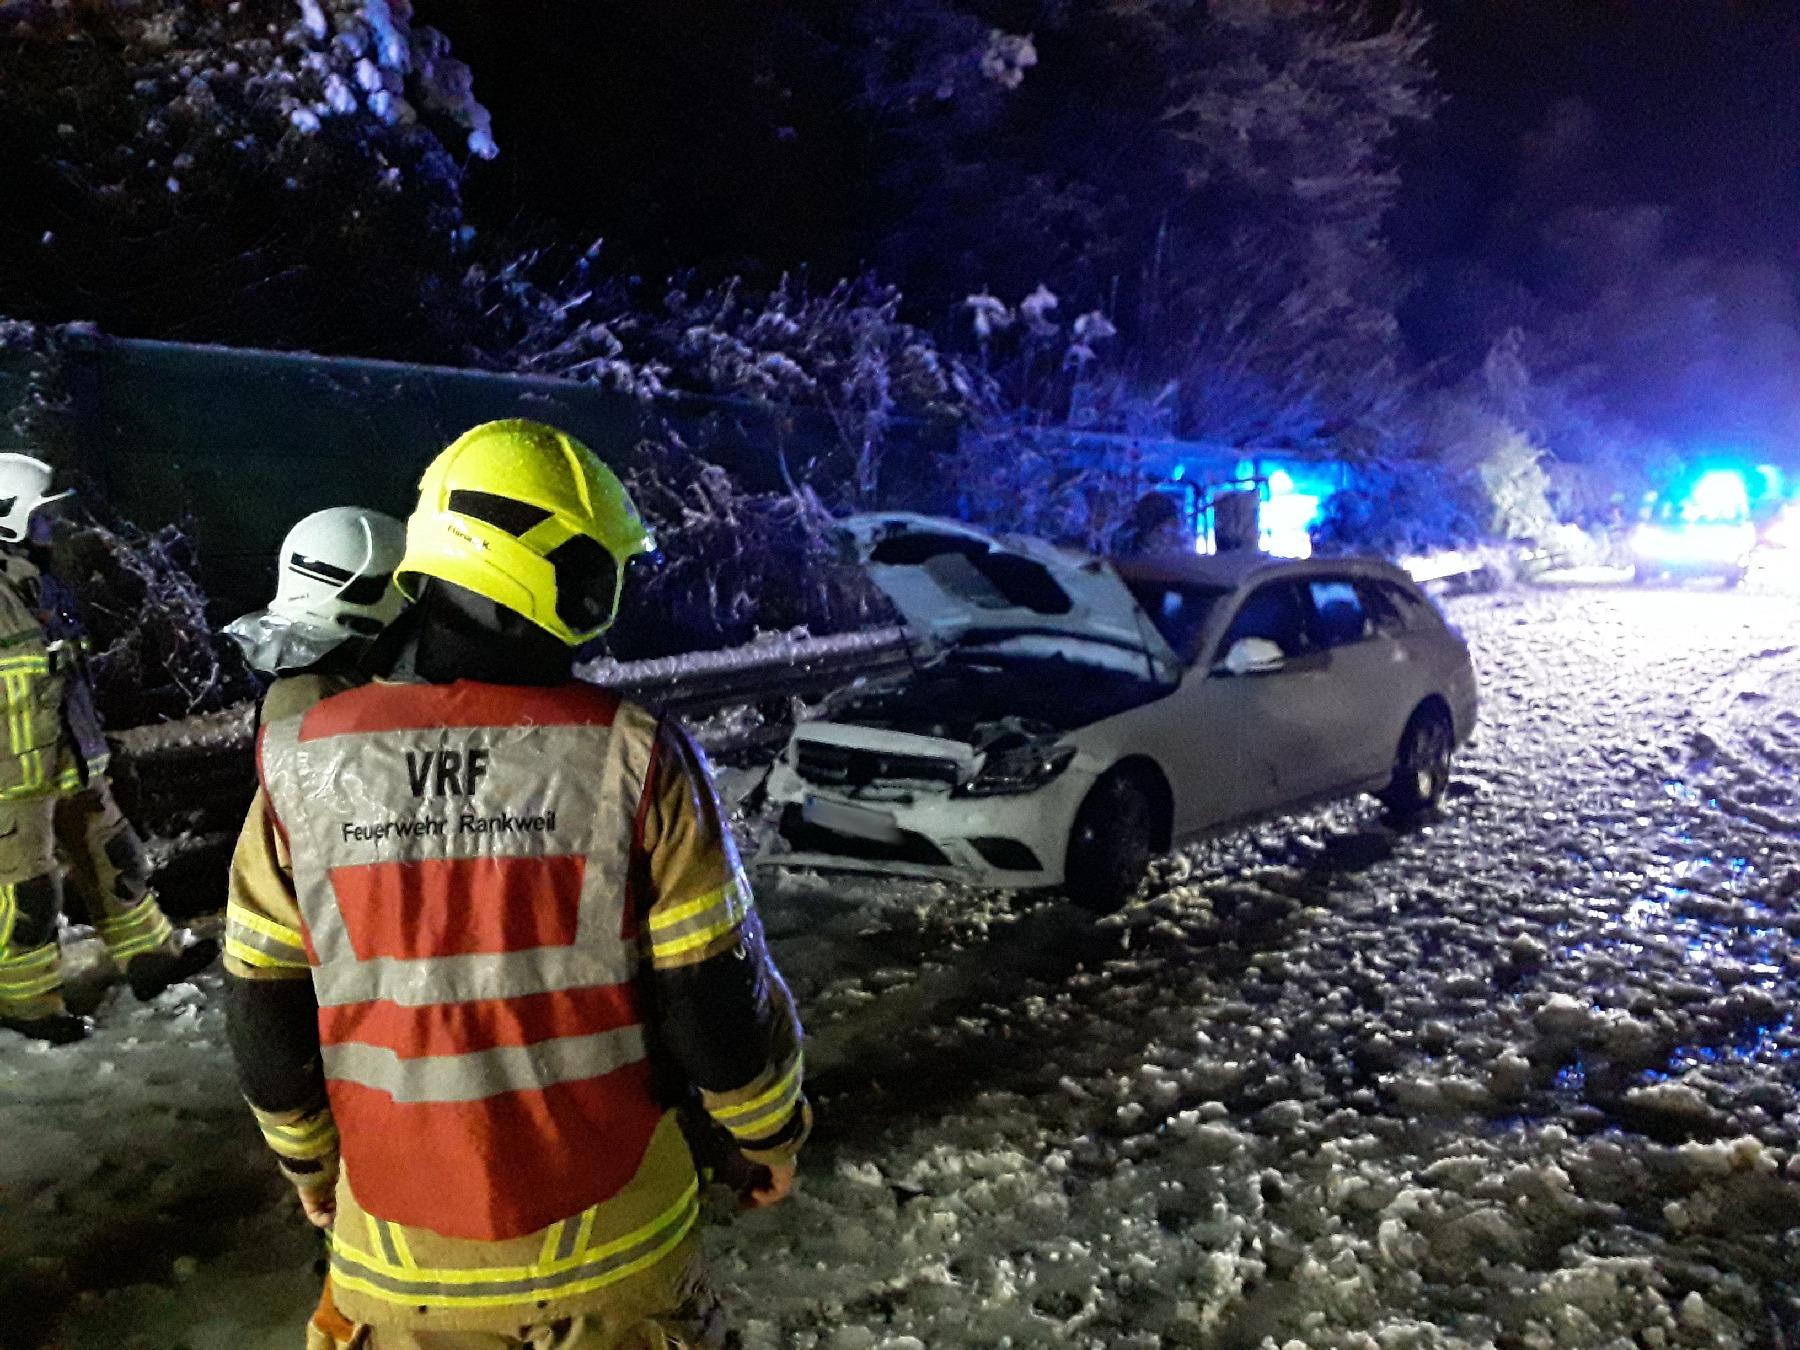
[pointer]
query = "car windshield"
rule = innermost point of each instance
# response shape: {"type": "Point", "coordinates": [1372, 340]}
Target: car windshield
{"type": "Point", "coordinates": [1179, 610]}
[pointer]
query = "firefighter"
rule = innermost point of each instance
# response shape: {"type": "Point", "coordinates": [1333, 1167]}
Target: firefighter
{"type": "Point", "coordinates": [59, 825]}
{"type": "Point", "coordinates": [334, 596]}
{"type": "Point", "coordinates": [488, 929]}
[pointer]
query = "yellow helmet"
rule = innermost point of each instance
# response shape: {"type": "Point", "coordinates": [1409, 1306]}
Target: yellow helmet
{"type": "Point", "coordinates": [529, 517]}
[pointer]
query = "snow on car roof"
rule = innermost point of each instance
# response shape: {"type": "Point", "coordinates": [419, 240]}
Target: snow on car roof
{"type": "Point", "coordinates": [1231, 570]}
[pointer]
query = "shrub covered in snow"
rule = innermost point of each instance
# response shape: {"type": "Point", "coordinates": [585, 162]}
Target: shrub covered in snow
{"type": "Point", "coordinates": [732, 562]}
{"type": "Point", "coordinates": [155, 653]}
{"type": "Point", "coordinates": [1016, 482]}
{"type": "Point", "coordinates": [842, 349]}
{"type": "Point", "coordinates": [1402, 508]}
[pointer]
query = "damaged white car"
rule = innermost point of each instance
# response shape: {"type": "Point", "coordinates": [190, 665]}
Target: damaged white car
{"type": "Point", "coordinates": [1072, 717]}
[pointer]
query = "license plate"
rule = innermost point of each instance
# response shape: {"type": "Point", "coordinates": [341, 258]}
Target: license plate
{"type": "Point", "coordinates": [859, 821]}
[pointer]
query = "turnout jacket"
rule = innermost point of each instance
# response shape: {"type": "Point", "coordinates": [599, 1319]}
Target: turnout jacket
{"type": "Point", "coordinates": [519, 931]}
{"type": "Point", "coordinates": [54, 741]}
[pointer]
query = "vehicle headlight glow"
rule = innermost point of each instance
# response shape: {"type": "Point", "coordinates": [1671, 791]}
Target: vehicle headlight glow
{"type": "Point", "coordinates": [1696, 542]}
{"type": "Point", "coordinates": [1718, 496]}
{"type": "Point", "coordinates": [1023, 768]}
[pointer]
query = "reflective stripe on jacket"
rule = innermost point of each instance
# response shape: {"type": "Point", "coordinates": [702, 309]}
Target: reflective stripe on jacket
{"type": "Point", "coordinates": [462, 861]}
{"type": "Point", "coordinates": [37, 758]}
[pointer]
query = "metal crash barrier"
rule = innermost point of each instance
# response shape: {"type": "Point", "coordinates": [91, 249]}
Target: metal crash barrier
{"type": "Point", "coordinates": [187, 784]}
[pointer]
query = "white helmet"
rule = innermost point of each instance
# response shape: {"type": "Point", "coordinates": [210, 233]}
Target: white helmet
{"type": "Point", "coordinates": [336, 571]}
{"type": "Point", "coordinates": [24, 487]}
{"type": "Point", "coordinates": [335, 582]}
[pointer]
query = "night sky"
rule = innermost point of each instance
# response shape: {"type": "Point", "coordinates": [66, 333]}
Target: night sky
{"type": "Point", "coordinates": [1697, 107]}
{"type": "Point", "coordinates": [710, 137]}
{"type": "Point", "coordinates": [676, 113]}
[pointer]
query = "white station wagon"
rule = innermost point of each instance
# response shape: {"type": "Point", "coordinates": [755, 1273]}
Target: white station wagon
{"type": "Point", "coordinates": [1073, 716]}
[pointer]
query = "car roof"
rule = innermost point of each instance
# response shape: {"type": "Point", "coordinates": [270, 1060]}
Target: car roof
{"type": "Point", "coordinates": [1228, 571]}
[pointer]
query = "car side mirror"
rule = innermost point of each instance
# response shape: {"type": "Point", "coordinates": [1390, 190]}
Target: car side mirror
{"type": "Point", "coordinates": [1252, 656]}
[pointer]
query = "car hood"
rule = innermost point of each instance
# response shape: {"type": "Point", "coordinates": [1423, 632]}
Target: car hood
{"type": "Point", "coordinates": [959, 587]}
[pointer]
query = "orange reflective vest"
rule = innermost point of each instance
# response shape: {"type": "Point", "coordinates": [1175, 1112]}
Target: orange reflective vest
{"type": "Point", "coordinates": [462, 859]}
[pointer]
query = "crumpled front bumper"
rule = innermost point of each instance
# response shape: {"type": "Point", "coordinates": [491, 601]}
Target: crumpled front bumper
{"type": "Point", "coordinates": [1008, 842]}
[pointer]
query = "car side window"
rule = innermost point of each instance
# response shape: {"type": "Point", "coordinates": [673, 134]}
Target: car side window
{"type": "Point", "coordinates": [1338, 610]}
{"type": "Point", "coordinates": [1275, 612]}
{"type": "Point", "coordinates": [1385, 615]}
{"type": "Point", "coordinates": [1413, 608]}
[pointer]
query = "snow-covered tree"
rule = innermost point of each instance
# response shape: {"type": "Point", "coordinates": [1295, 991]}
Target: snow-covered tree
{"type": "Point", "coordinates": [259, 171]}
{"type": "Point", "coordinates": [1213, 178]}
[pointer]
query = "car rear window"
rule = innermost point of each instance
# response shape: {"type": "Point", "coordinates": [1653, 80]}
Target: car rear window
{"type": "Point", "coordinates": [1385, 615]}
{"type": "Point", "coordinates": [1412, 610]}
{"type": "Point", "coordinates": [969, 570]}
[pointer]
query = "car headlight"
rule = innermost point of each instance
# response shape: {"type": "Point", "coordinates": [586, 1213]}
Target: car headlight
{"type": "Point", "coordinates": [1023, 768]}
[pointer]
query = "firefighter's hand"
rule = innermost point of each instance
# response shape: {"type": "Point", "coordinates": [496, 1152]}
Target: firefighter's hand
{"type": "Point", "coordinates": [320, 1206]}
{"type": "Point", "coordinates": [772, 1186]}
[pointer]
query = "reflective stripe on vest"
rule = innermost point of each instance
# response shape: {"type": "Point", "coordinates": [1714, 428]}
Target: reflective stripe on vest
{"type": "Point", "coordinates": [462, 859]}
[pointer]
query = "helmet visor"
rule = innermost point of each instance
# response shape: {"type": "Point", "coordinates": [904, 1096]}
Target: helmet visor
{"type": "Point", "coordinates": [369, 589]}
{"type": "Point", "coordinates": [588, 583]}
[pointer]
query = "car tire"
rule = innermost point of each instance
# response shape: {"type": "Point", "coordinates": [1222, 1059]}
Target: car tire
{"type": "Point", "coordinates": [1111, 845]}
{"type": "Point", "coordinates": [1422, 764]}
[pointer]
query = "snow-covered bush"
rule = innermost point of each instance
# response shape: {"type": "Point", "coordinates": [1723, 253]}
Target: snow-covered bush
{"type": "Point", "coordinates": [1402, 508]}
{"type": "Point", "coordinates": [1017, 481]}
{"type": "Point", "coordinates": [732, 562]}
{"type": "Point", "coordinates": [1016, 467]}
{"type": "Point", "coordinates": [736, 561]}
{"type": "Point", "coordinates": [843, 350]}
{"type": "Point", "coordinates": [1518, 489]}
{"type": "Point", "coordinates": [155, 653]}
{"type": "Point", "coordinates": [259, 172]}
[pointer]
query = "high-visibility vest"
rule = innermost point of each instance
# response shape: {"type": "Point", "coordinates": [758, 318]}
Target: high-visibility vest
{"type": "Point", "coordinates": [463, 859]}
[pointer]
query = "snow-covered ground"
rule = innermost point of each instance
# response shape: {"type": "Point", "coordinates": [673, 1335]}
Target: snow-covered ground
{"type": "Point", "coordinates": [1522, 1078]}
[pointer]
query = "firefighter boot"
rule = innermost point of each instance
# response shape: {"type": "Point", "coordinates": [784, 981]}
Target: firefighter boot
{"type": "Point", "coordinates": [56, 1029]}
{"type": "Point", "coordinates": [154, 972]}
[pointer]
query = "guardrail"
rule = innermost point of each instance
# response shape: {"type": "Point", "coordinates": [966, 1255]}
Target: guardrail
{"type": "Point", "coordinates": [187, 784]}
{"type": "Point", "coordinates": [1464, 569]}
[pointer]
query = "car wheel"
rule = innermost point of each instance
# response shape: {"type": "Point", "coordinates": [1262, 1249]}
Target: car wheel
{"type": "Point", "coordinates": [1111, 845]}
{"type": "Point", "coordinates": [1422, 766]}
